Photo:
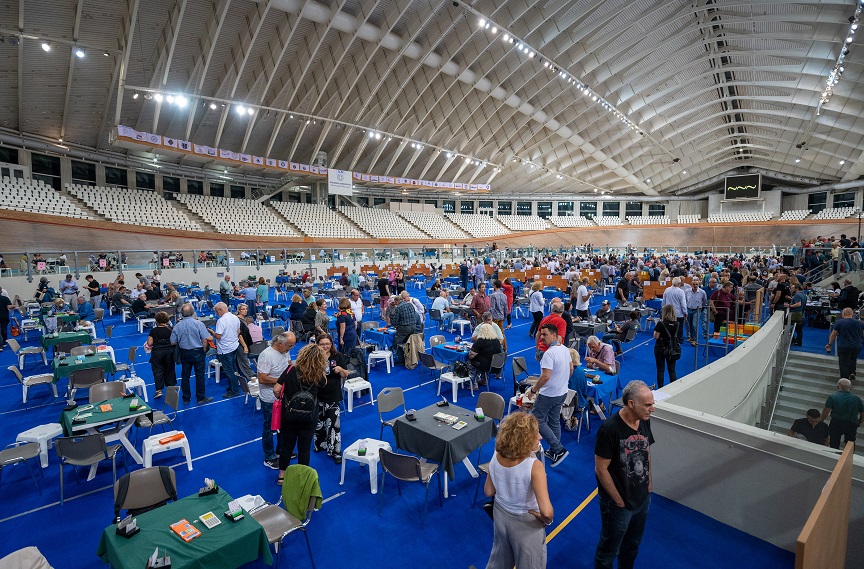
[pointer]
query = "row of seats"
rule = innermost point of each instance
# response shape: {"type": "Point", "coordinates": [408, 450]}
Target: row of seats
{"type": "Point", "coordinates": [133, 207]}
{"type": "Point", "coordinates": [478, 225]}
{"type": "Point", "coordinates": [317, 220]}
{"type": "Point", "coordinates": [437, 226]}
{"type": "Point", "coordinates": [689, 218]}
{"type": "Point", "coordinates": [608, 221]}
{"type": "Point", "coordinates": [795, 214]}
{"type": "Point", "coordinates": [571, 221]}
{"type": "Point", "coordinates": [237, 216]}
{"type": "Point", "coordinates": [739, 217]}
{"type": "Point", "coordinates": [835, 213]}
{"type": "Point", "coordinates": [523, 222]}
{"type": "Point", "coordinates": [35, 196]}
{"type": "Point", "coordinates": [382, 223]}
{"type": "Point", "coordinates": [648, 219]}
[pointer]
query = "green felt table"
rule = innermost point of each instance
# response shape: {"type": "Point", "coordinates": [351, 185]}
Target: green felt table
{"type": "Point", "coordinates": [67, 366]}
{"type": "Point", "coordinates": [82, 336]}
{"type": "Point", "coordinates": [119, 411]}
{"type": "Point", "coordinates": [230, 544]}
{"type": "Point", "coordinates": [62, 317]}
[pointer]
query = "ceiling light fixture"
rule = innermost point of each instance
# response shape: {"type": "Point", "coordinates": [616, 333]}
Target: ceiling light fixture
{"type": "Point", "coordinates": [80, 53]}
{"type": "Point", "coordinates": [240, 109]}
{"type": "Point", "coordinates": [135, 95]}
{"type": "Point", "coordinates": [181, 101]}
{"type": "Point", "coordinates": [839, 68]}
{"type": "Point", "coordinates": [250, 111]}
{"type": "Point", "coordinates": [158, 97]}
{"type": "Point", "coordinates": [212, 106]}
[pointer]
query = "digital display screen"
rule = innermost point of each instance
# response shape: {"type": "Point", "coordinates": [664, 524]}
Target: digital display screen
{"type": "Point", "coordinates": [743, 187]}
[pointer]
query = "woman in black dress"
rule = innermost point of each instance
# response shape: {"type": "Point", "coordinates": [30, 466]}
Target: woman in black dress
{"type": "Point", "coordinates": [162, 356]}
{"type": "Point", "coordinates": [665, 336]}
{"type": "Point", "coordinates": [307, 374]}
{"type": "Point", "coordinates": [327, 431]}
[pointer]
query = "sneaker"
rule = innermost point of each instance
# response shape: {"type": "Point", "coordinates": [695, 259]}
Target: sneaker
{"type": "Point", "coordinates": [559, 456]}
{"type": "Point", "coordinates": [158, 394]}
{"type": "Point", "coordinates": [549, 454]}
{"type": "Point", "coordinates": [229, 395]}
{"type": "Point", "coordinates": [205, 400]}
{"type": "Point", "coordinates": [272, 464]}
{"type": "Point", "coordinates": [187, 401]}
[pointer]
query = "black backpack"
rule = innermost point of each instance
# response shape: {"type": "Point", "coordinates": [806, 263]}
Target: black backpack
{"type": "Point", "coordinates": [357, 363]}
{"type": "Point", "coordinates": [302, 407]}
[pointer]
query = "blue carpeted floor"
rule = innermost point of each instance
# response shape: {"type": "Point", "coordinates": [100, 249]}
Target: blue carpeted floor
{"type": "Point", "coordinates": [347, 532]}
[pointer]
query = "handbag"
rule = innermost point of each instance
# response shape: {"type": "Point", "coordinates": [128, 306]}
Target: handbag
{"type": "Point", "coordinates": [276, 416]}
{"type": "Point", "coordinates": [15, 329]}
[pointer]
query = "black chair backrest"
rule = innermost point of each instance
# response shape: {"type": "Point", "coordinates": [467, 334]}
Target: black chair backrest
{"type": "Point", "coordinates": [144, 490]}
{"type": "Point", "coordinates": [87, 377]}
{"type": "Point", "coordinates": [66, 347]}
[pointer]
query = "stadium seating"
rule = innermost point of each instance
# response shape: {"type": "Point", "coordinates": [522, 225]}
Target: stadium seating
{"type": "Point", "coordinates": [478, 225]}
{"type": "Point", "coordinates": [523, 222]}
{"type": "Point", "coordinates": [835, 213]}
{"type": "Point", "coordinates": [571, 221]}
{"type": "Point", "coordinates": [382, 223]}
{"type": "Point", "coordinates": [689, 218]}
{"type": "Point", "coordinates": [437, 226]}
{"type": "Point", "coordinates": [237, 216]}
{"type": "Point", "coordinates": [739, 217]}
{"type": "Point", "coordinates": [795, 215]}
{"type": "Point", "coordinates": [133, 207]}
{"type": "Point", "coordinates": [318, 220]}
{"type": "Point", "coordinates": [608, 221]}
{"type": "Point", "coordinates": [36, 197]}
{"type": "Point", "coordinates": [648, 219]}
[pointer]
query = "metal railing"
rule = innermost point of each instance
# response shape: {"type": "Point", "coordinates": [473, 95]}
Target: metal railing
{"type": "Point", "coordinates": [781, 357]}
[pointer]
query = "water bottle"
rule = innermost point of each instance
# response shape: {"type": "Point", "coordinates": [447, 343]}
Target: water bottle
{"type": "Point", "coordinates": [361, 449]}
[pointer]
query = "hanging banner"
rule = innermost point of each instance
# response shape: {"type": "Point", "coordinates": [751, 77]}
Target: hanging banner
{"type": "Point", "coordinates": [339, 182]}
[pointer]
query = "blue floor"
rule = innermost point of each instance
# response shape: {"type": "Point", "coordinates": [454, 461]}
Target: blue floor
{"type": "Point", "coordinates": [347, 532]}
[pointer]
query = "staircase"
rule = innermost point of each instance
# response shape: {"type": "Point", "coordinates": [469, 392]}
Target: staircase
{"type": "Point", "coordinates": [82, 205]}
{"type": "Point", "coordinates": [181, 207]}
{"type": "Point", "coordinates": [807, 382]}
{"type": "Point", "coordinates": [285, 220]}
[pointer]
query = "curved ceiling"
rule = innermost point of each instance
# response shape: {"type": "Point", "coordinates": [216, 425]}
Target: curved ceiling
{"type": "Point", "coordinates": [549, 96]}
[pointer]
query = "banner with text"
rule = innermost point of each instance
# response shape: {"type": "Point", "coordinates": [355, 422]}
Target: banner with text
{"type": "Point", "coordinates": [339, 182]}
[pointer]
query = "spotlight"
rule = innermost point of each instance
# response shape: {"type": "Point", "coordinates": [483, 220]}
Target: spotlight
{"type": "Point", "coordinates": [371, 134]}
{"type": "Point", "coordinates": [80, 53]}
{"type": "Point", "coordinates": [135, 96]}
{"type": "Point", "coordinates": [482, 22]}
{"type": "Point", "coordinates": [105, 53]}
{"type": "Point", "coordinates": [684, 172]}
{"type": "Point", "coordinates": [506, 37]}
{"type": "Point", "coordinates": [842, 162]}
{"type": "Point", "coordinates": [240, 109]}
{"type": "Point", "coordinates": [797, 160]}
{"type": "Point", "coordinates": [181, 101]}
{"type": "Point", "coordinates": [249, 111]}
{"type": "Point", "coordinates": [46, 46]}
{"type": "Point", "coordinates": [170, 98]}
{"type": "Point", "coordinates": [377, 136]}
{"type": "Point", "coordinates": [494, 30]}
{"type": "Point", "coordinates": [158, 97]}
{"type": "Point", "coordinates": [212, 106]}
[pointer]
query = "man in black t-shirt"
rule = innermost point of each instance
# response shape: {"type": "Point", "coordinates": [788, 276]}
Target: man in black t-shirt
{"type": "Point", "coordinates": [782, 294]}
{"type": "Point", "coordinates": [94, 288]}
{"type": "Point", "coordinates": [623, 468]}
{"type": "Point", "coordinates": [622, 289]}
{"type": "Point", "coordinates": [811, 428]}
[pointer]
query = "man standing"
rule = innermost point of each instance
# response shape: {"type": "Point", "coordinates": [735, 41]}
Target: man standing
{"type": "Point", "coordinates": [796, 313]}
{"type": "Point", "coordinates": [463, 273]}
{"type": "Point", "coordinates": [226, 336]}
{"type": "Point", "coordinates": [271, 363]}
{"type": "Point", "coordinates": [94, 289]}
{"type": "Point", "coordinates": [847, 413]}
{"type": "Point", "coordinates": [849, 332]}
{"type": "Point", "coordinates": [622, 289]}
{"type": "Point", "coordinates": [480, 302]}
{"type": "Point", "coordinates": [69, 291]}
{"type": "Point", "coordinates": [811, 428]}
{"type": "Point", "coordinates": [782, 293]}
{"type": "Point", "coordinates": [225, 289]}
{"type": "Point", "coordinates": [403, 317]}
{"type": "Point", "coordinates": [623, 468]}
{"type": "Point", "coordinates": [697, 302]}
{"type": "Point", "coordinates": [479, 274]}
{"type": "Point", "coordinates": [848, 297]}
{"type": "Point", "coordinates": [192, 338]}
{"type": "Point", "coordinates": [356, 305]}
{"type": "Point", "coordinates": [583, 296]}
{"type": "Point", "coordinates": [675, 296]}
{"type": "Point", "coordinates": [498, 307]}
{"type": "Point", "coordinates": [555, 318]}
{"type": "Point", "coordinates": [551, 389]}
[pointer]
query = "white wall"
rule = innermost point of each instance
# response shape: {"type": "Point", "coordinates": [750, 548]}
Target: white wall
{"type": "Point", "coordinates": [771, 204]}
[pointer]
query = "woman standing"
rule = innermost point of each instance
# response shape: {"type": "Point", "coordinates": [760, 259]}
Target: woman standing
{"type": "Point", "coordinates": [322, 321]}
{"type": "Point", "coordinates": [162, 355]}
{"type": "Point", "coordinates": [399, 280]}
{"type": "Point", "coordinates": [383, 285]}
{"type": "Point", "coordinates": [665, 336]}
{"type": "Point", "coordinates": [327, 430]}
{"type": "Point", "coordinates": [262, 294]}
{"type": "Point", "coordinates": [507, 286]}
{"type": "Point", "coordinates": [308, 375]}
{"type": "Point", "coordinates": [346, 327]}
{"type": "Point", "coordinates": [536, 302]}
{"type": "Point", "coordinates": [522, 508]}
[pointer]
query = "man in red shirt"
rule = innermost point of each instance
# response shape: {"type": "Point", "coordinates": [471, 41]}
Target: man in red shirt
{"type": "Point", "coordinates": [556, 311]}
{"type": "Point", "coordinates": [480, 303]}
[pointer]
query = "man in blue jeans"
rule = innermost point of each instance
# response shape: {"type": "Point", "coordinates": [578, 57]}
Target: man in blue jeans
{"type": "Point", "coordinates": [227, 338]}
{"type": "Point", "coordinates": [192, 338]}
{"type": "Point", "coordinates": [551, 389]}
{"type": "Point", "coordinates": [271, 363]}
{"type": "Point", "coordinates": [623, 468]}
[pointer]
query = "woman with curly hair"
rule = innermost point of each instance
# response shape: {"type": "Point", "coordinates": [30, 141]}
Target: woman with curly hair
{"type": "Point", "coordinates": [307, 374]}
{"type": "Point", "coordinates": [522, 508]}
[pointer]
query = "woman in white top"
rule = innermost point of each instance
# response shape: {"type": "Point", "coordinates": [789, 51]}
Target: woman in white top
{"type": "Point", "coordinates": [536, 302]}
{"type": "Point", "coordinates": [522, 509]}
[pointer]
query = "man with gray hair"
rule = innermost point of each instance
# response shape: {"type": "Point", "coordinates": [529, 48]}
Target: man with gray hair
{"type": "Point", "coordinates": [847, 413]}
{"type": "Point", "coordinates": [227, 338]}
{"type": "Point", "coordinates": [622, 464]}
{"type": "Point", "coordinates": [192, 338]}
{"type": "Point", "coordinates": [675, 296]}
{"type": "Point", "coordinates": [274, 360]}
